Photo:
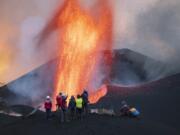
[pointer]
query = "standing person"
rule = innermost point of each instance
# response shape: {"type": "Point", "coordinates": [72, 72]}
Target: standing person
{"type": "Point", "coordinates": [59, 101]}
{"type": "Point", "coordinates": [85, 97]}
{"type": "Point", "coordinates": [48, 107]}
{"type": "Point", "coordinates": [72, 107]}
{"type": "Point", "coordinates": [59, 104]}
{"type": "Point", "coordinates": [64, 109]}
{"type": "Point", "coordinates": [79, 106]}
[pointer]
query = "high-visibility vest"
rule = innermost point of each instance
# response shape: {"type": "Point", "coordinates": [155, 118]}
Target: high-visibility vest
{"type": "Point", "coordinates": [79, 103]}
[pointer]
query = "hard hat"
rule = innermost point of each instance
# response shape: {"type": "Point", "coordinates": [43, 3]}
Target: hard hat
{"type": "Point", "coordinates": [47, 97]}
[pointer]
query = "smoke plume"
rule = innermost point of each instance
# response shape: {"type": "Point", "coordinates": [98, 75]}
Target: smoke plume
{"type": "Point", "coordinates": [151, 27]}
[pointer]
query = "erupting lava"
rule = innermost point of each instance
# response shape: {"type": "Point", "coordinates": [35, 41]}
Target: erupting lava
{"type": "Point", "coordinates": [82, 36]}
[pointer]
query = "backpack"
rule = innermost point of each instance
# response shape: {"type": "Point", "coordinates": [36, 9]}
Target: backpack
{"type": "Point", "coordinates": [134, 112]}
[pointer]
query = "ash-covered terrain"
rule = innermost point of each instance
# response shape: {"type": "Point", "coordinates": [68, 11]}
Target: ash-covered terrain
{"type": "Point", "coordinates": [157, 101]}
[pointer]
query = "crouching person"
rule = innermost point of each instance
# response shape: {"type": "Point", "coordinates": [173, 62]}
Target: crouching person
{"type": "Point", "coordinates": [129, 111]}
{"type": "Point", "coordinates": [125, 109]}
{"type": "Point", "coordinates": [48, 107]}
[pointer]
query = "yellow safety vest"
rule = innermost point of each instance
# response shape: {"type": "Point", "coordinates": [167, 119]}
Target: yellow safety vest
{"type": "Point", "coordinates": [79, 103]}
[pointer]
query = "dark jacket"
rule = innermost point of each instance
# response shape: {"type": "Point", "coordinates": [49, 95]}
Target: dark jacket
{"type": "Point", "coordinates": [72, 103]}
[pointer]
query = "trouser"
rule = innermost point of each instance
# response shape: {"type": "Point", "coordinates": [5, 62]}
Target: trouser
{"type": "Point", "coordinates": [72, 113]}
{"type": "Point", "coordinates": [79, 113]}
{"type": "Point", "coordinates": [48, 113]}
{"type": "Point", "coordinates": [85, 109]}
{"type": "Point", "coordinates": [63, 115]}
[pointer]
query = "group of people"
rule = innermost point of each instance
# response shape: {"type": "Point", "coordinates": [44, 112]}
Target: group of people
{"type": "Point", "coordinates": [74, 109]}
{"type": "Point", "coordinates": [126, 110]}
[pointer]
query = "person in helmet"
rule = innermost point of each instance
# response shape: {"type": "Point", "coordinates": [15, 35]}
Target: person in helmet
{"type": "Point", "coordinates": [125, 109]}
{"type": "Point", "coordinates": [48, 107]}
{"type": "Point", "coordinates": [72, 107]}
{"type": "Point", "coordinates": [79, 106]}
{"type": "Point", "coordinates": [128, 111]}
{"type": "Point", "coordinates": [64, 108]}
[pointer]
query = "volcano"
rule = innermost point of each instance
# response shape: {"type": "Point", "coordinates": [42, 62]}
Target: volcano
{"type": "Point", "coordinates": [128, 68]}
{"type": "Point", "coordinates": [157, 101]}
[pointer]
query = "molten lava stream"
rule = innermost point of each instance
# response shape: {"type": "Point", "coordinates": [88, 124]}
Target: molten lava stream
{"type": "Point", "coordinates": [81, 38]}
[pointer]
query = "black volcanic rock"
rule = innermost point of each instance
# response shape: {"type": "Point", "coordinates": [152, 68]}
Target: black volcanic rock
{"type": "Point", "coordinates": [157, 101]}
{"type": "Point", "coordinates": [91, 125]}
{"type": "Point", "coordinates": [130, 67]}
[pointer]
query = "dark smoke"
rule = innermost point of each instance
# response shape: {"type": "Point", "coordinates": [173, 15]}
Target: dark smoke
{"type": "Point", "coordinates": [159, 28]}
{"type": "Point", "coordinates": [154, 31]}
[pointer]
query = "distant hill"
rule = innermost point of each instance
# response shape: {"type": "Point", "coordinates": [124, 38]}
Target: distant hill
{"type": "Point", "coordinates": [132, 68]}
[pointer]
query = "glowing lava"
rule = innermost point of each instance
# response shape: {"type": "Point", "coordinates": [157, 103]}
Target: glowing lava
{"type": "Point", "coordinates": [82, 36]}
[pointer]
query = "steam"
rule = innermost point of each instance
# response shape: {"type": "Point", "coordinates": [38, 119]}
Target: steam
{"type": "Point", "coordinates": [34, 86]}
{"type": "Point", "coordinates": [19, 33]}
{"type": "Point", "coordinates": [160, 28]}
{"type": "Point", "coordinates": [20, 42]}
{"type": "Point", "coordinates": [151, 27]}
{"type": "Point", "coordinates": [30, 86]}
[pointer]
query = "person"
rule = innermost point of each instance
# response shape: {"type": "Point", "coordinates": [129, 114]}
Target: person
{"type": "Point", "coordinates": [72, 107]}
{"type": "Point", "coordinates": [59, 101]}
{"type": "Point", "coordinates": [64, 108]}
{"type": "Point", "coordinates": [125, 109]}
{"type": "Point", "coordinates": [128, 111]}
{"type": "Point", "coordinates": [48, 107]}
{"type": "Point", "coordinates": [79, 106]}
{"type": "Point", "coordinates": [85, 97]}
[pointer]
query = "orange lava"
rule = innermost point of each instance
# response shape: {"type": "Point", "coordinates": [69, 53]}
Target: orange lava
{"type": "Point", "coordinates": [82, 35]}
{"type": "Point", "coordinates": [94, 97]}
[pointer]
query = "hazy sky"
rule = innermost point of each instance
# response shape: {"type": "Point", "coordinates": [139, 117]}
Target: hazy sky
{"type": "Point", "coordinates": [151, 27]}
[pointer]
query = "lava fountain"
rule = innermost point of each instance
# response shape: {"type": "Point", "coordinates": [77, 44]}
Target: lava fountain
{"type": "Point", "coordinates": [82, 36]}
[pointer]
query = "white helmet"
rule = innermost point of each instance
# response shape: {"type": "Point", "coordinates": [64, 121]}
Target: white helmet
{"type": "Point", "coordinates": [47, 97]}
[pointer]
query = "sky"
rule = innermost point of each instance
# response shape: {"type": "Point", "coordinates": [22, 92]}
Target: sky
{"type": "Point", "coordinates": [150, 27]}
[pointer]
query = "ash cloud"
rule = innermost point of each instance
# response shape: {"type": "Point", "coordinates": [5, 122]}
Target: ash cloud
{"type": "Point", "coordinates": [153, 29]}
{"type": "Point", "coordinates": [22, 21]}
{"type": "Point", "coordinates": [159, 28]}
{"type": "Point", "coordinates": [33, 87]}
